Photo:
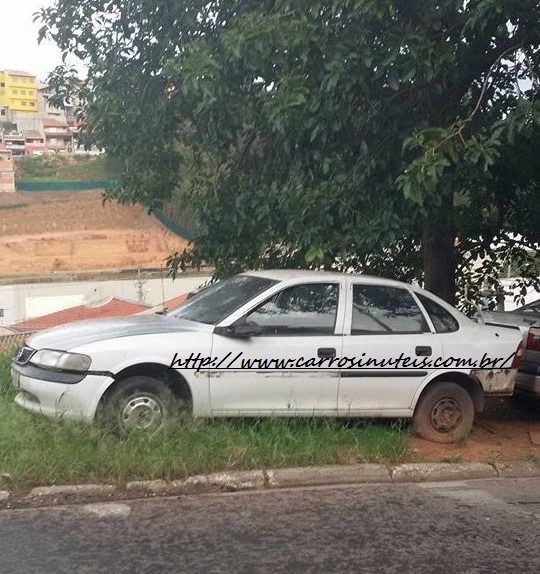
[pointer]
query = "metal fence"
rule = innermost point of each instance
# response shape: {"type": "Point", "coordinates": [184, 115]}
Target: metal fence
{"type": "Point", "coordinates": [8, 343]}
{"type": "Point", "coordinates": [65, 185]}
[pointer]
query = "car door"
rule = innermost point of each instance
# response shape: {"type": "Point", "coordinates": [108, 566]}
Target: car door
{"type": "Point", "coordinates": [299, 322]}
{"type": "Point", "coordinates": [382, 322]}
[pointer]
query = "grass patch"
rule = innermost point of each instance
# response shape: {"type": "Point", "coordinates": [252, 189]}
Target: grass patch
{"type": "Point", "coordinates": [452, 459]}
{"type": "Point", "coordinates": [52, 167]}
{"type": "Point", "coordinates": [13, 205]}
{"type": "Point", "coordinates": [36, 450]}
{"type": "Point", "coordinates": [532, 457]}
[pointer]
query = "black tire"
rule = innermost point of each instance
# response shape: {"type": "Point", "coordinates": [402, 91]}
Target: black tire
{"type": "Point", "coordinates": [444, 413]}
{"type": "Point", "coordinates": [142, 403]}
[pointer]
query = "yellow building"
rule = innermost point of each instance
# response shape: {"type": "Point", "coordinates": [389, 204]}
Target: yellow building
{"type": "Point", "coordinates": [18, 91]}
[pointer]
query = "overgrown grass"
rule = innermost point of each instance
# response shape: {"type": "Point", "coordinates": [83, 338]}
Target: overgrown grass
{"type": "Point", "coordinates": [51, 167]}
{"type": "Point", "coordinates": [13, 205]}
{"type": "Point", "coordinates": [35, 450]}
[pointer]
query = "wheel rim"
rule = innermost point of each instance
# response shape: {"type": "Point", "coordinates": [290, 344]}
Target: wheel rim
{"type": "Point", "coordinates": [142, 412]}
{"type": "Point", "coordinates": [446, 415]}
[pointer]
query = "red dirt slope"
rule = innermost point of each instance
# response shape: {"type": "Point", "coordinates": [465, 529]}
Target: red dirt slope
{"type": "Point", "coordinates": [42, 232]}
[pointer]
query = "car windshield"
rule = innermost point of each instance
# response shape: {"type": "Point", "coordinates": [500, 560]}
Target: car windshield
{"type": "Point", "coordinates": [214, 303]}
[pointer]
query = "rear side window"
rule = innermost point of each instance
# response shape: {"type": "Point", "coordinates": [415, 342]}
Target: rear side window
{"type": "Point", "coordinates": [441, 318]}
{"type": "Point", "coordinates": [378, 309]}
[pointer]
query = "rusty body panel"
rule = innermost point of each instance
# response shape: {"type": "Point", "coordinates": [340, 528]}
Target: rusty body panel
{"type": "Point", "coordinates": [496, 381]}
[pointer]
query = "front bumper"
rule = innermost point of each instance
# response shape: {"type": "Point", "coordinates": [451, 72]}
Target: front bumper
{"type": "Point", "coordinates": [75, 401]}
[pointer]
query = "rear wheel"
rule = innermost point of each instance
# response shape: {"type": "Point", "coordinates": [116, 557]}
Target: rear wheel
{"type": "Point", "coordinates": [142, 403]}
{"type": "Point", "coordinates": [445, 413]}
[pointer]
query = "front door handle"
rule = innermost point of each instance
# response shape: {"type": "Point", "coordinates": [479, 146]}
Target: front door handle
{"type": "Point", "coordinates": [326, 352]}
{"type": "Point", "coordinates": [423, 351]}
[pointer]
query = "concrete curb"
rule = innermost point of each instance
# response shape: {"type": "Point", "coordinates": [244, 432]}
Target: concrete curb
{"type": "Point", "coordinates": [272, 479]}
{"type": "Point", "coordinates": [72, 490]}
{"type": "Point", "coordinates": [441, 471]}
{"type": "Point", "coordinates": [320, 475]}
{"type": "Point", "coordinates": [517, 469]}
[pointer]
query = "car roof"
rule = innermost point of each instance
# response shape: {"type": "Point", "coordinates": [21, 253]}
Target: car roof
{"type": "Point", "coordinates": [285, 274]}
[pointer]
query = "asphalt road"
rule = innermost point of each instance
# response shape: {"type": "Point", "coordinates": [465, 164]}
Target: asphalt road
{"type": "Point", "coordinates": [490, 527]}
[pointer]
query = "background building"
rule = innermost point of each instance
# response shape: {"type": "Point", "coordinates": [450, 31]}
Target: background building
{"type": "Point", "coordinates": [34, 143]}
{"type": "Point", "coordinates": [14, 142]}
{"type": "Point", "coordinates": [58, 135]}
{"type": "Point", "coordinates": [46, 110]}
{"type": "Point", "coordinates": [7, 172]}
{"type": "Point", "coordinates": [30, 125]}
{"type": "Point", "coordinates": [19, 99]}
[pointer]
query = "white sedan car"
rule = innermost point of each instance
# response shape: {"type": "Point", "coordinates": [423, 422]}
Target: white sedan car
{"type": "Point", "coordinates": [275, 343]}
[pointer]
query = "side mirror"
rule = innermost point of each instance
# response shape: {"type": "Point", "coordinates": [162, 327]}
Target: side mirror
{"type": "Point", "coordinates": [244, 329]}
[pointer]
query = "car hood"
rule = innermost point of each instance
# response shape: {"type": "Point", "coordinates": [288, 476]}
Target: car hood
{"type": "Point", "coordinates": [72, 335]}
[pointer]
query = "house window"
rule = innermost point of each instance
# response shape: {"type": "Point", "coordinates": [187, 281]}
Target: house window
{"type": "Point", "coordinates": [1, 313]}
{"type": "Point", "coordinates": [23, 92]}
{"type": "Point", "coordinates": [23, 103]}
{"type": "Point", "coordinates": [15, 92]}
{"type": "Point", "coordinates": [32, 104]}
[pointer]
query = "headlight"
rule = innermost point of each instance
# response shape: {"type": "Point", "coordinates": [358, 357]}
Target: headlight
{"type": "Point", "coordinates": [60, 360]}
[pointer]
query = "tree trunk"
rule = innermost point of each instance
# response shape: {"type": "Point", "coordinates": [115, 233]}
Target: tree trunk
{"type": "Point", "coordinates": [438, 255]}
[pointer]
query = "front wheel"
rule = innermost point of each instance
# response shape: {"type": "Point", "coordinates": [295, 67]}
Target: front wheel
{"type": "Point", "coordinates": [142, 403]}
{"type": "Point", "coordinates": [445, 413]}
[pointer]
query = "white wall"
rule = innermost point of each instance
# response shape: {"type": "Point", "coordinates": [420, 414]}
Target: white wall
{"type": "Point", "coordinates": [509, 304]}
{"type": "Point", "coordinates": [28, 300]}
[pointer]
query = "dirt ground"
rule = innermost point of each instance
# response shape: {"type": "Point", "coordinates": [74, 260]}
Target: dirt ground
{"type": "Point", "coordinates": [75, 231]}
{"type": "Point", "coordinates": [503, 432]}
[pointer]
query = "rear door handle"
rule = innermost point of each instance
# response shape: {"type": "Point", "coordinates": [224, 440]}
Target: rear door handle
{"type": "Point", "coordinates": [423, 351]}
{"type": "Point", "coordinates": [326, 352]}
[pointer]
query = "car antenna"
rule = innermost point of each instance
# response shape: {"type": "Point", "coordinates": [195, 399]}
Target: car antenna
{"type": "Point", "coordinates": [163, 308]}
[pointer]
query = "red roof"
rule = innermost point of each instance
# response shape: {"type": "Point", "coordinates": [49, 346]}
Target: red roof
{"type": "Point", "coordinates": [112, 307]}
{"type": "Point", "coordinates": [53, 122]}
{"type": "Point", "coordinates": [175, 301]}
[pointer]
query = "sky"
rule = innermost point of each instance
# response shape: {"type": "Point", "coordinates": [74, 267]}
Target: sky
{"type": "Point", "coordinates": [19, 49]}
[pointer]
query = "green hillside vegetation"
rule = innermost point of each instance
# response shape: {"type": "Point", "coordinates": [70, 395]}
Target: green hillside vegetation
{"type": "Point", "coordinates": [65, 168]}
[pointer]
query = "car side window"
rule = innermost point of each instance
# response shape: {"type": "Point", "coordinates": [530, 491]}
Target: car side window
{"type": "Point", "coordinates": [378, 309]}
{"type": "Point", "coordinates": [442, 320]}
{"type": "Point", "coordinates": [308, 309]}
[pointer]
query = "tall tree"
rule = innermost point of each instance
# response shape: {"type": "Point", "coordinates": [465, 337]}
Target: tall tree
{"type": "Point", "coordinates": [392, 136]}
